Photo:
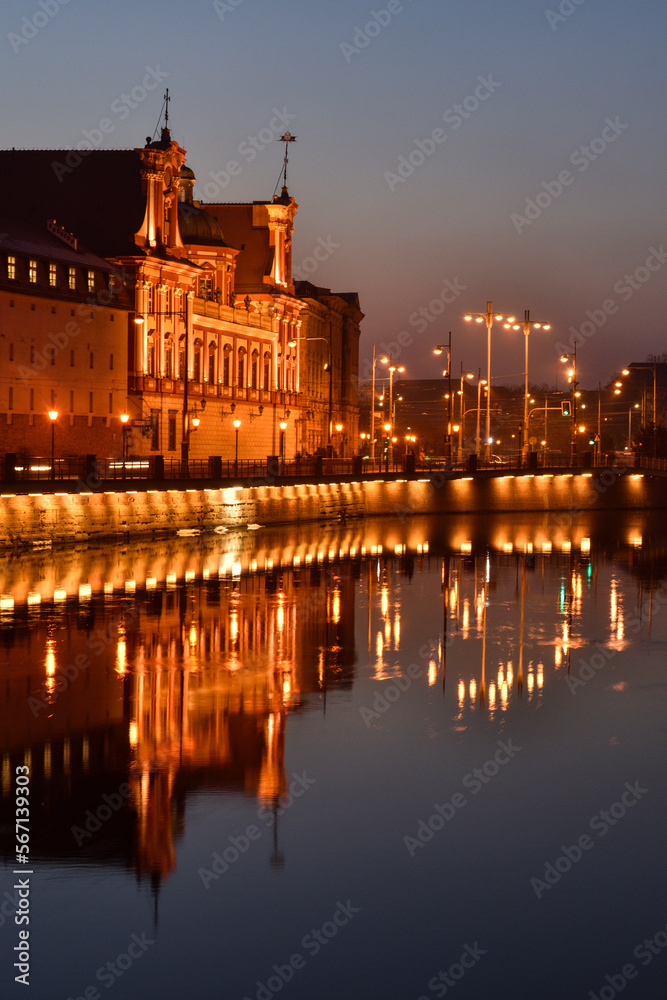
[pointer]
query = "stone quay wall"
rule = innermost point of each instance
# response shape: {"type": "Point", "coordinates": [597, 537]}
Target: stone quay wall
{"type": "Point", "coordinates": [61, 518]}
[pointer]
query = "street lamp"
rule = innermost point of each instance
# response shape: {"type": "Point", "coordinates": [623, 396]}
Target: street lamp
{"type": "Point", "coordinates": [283, 428]}
{"type": "Point", "coordinates": [480, 382]}
{"type": "Point", "coordinates": [527, 323]}
{"type": "Point", "coordinates": [328, 367]}
{"type": "Point", "coordinates": [572, 378]}
{"type": "Point", "coordinates": [387, 430]}
{"type": "Point", "coordinates": [124, 418]}
{"type": "Point", "coordinates": [237, 424]}
{"type": "Point", "coordinates": [461, 411]}
{"type": "Point", "coordinates": [392, 368]}
{"type": "Point", "coordinates": [438, 349]}
{"type": "Point", "coordinates": [488, 318]}
{"type": "Point", "coordinates": [339, 430]}
{"type": "Point", "coordinates": [53, 416]}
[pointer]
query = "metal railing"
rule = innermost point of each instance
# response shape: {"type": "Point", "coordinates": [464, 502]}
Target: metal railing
{"type": "Point", "coordinates": [82, 471]}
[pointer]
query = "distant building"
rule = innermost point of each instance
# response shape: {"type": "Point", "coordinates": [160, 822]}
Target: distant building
{"type": "Point", "coordinates": [199, 326]}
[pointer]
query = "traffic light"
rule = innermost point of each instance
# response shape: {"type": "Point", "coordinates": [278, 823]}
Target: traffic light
{"type": "Point", "coordinates": [566, 408]}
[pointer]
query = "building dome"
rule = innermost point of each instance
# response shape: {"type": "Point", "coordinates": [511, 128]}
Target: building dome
{"type": "Point", "coordinates": [195, 225]}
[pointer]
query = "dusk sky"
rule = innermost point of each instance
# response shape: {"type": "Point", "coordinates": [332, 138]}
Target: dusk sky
{"type": "Point", "coordinates": [467, 149]}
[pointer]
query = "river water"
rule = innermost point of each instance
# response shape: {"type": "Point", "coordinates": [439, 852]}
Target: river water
{"type": "Point", "coordinates": [399, 759]}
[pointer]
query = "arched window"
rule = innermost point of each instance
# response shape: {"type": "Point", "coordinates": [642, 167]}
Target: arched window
{"type": "Point", "coordinates": [150, 353]}
{"type": "Point", "coordinates": [181, 356]}
{"type": "Point", "coordinates": [241, 368]}
{"type": "Point", "coordinates": [254, 370]}
{"type": "Point", "coordinates": [266, 380]}
{"type": "Point", "coordinates": [226, 365]}
{"type": "Point", "coordinates": [212, 375]}
{"type": "Point", "coordinates": [168, 356]}
{"type": "Point", "coordinates": [197, 371]}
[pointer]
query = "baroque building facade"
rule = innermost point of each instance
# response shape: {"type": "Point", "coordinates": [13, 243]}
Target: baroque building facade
{"type": "Point", "coordinates": [193, 328]}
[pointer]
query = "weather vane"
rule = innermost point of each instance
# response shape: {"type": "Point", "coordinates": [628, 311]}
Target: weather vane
{"type": "Point", "coordinates": [286, 138]}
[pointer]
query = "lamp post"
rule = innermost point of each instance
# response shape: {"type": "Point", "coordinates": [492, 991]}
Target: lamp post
{"type": "Point", "coordinates": [572, 378]}
{"type": "Point", "coordinates": [124, 418]}
{"type": "Point", "coordinates": [339, 431]}
{"type": "Point", "coordinates": [237, 424]}
{"type": "Point", "coordinates": [328, 367]}
{"type": "Point", "coordinates": [488, 318]}
{"type": "Point", "coordinates": [438, 349]}
{"type": "Point", "coordinates": [480, 382]}
{"type": "Point", "coordinates": [139, 319]}
{"type": "Point", "coordinates": [283, 428]}
{"type": "Point", "coordinates": [387, 430]}
{"type": "Point", "coordinates": [653, 368]}
{"type": "Point", "coordinates": [392, 368]}
{"type": "Point", "coordinates": [374, 361]}
{"type": "Point", "coordinates": [527, 323]}
{"type": "Point", "coordinates": [53, 416]}
{"type": "Point", "coordinates": [461, 412]}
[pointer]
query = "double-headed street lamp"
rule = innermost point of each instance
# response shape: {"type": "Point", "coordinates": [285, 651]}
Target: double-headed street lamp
{"type": "Point", "coordinates": [527, 324]}
{"type": "Point", "coordinates": [392, 368]}
{"type": "Point", "coordinates": [488, 318]}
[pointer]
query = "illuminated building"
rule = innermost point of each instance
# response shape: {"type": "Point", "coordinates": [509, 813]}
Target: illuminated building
{"type": "Point", "coordinates": [207, 322]}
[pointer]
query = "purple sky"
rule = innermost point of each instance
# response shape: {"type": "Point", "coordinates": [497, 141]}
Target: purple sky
{"type": "Point", "coordinates": [464, 149]}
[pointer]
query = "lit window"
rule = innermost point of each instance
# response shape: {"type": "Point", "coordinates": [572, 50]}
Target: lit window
{"type": "Point", "coordinates": [32, 271]}
{"type": "Point", "coordinates": [91, 281]}
{"type": "Point", "coordinates": [53, 276]}
{"type": "Point", "coordinates": [11, 267]}
{"type": "Point", "coordinates": [72, 280]}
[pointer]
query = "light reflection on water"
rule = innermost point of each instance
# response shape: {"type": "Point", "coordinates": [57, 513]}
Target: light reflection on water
{"type": "Point", "coordinates": [190, 681]}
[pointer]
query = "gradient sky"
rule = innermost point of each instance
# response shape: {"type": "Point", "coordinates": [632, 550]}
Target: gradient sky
{"type": "Point", "coordinates": [556, 75]}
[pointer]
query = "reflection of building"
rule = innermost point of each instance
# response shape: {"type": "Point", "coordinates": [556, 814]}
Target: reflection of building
{"type": "Point", "coordinates": [215, 327]}
{"type": "Point", "coordinates": [186, 690]}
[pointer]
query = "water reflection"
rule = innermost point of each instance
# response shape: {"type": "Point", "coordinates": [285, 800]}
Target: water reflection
{"type": "Point", "coordinates": [173, 668]}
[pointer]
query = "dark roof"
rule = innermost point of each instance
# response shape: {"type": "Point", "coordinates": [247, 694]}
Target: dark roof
{"type": "Point", "coordinates": [17, 236]}
{"type": "Point", "coordinates": [95, 194]}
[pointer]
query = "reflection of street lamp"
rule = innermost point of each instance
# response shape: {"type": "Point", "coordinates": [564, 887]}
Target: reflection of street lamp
{"type": "Point", "coordinates": [237, 424]}
{"type": "Point", "coordinates": [53, 416]}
